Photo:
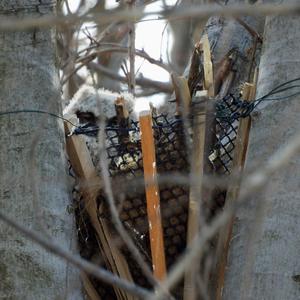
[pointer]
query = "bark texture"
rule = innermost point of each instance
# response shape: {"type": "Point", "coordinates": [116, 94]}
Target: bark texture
{"type": "Point", "coordinates": [234, 52]}
{"type": "Point", "coordinates": [227, 35]}
{"type": "Point", "coordinates": [264, 255]}
{"type": "Point", "coordinates": [34, 187]}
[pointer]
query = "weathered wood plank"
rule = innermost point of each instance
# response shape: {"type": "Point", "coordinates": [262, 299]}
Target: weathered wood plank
{"type": "Point", "coordinates": [182, 92]}
{"type": "Point", "coordinates": [208, 66]}
{"type": "Point", "coordinates": [152, 196]}
{"type": "Point", "coordinates": [90, 290]}
{"type": "Point", "coordinates": [240, 151]}
{"type": "Point", "coordinates": [195, 188]}
{"type": "Point", "coordinates": [83, 167]}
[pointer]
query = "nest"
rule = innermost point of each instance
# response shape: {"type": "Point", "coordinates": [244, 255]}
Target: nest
{"type": "Point", "coordinates": [126, 169]}
{"type": "Point", "coordinates": [123, 147]}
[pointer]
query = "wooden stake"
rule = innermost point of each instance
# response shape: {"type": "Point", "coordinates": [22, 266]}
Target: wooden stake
{"type": "Point", "coordinates": [152, 196]}
{"type": "Point", "coordinates": [240, 151]}
{"type": "Point", "coordinates": [83, 166]}
{"type": "Point", "coordinates": [200, 139]}
{"type": "Point", "coordinates": [122, 115]}
{"type": "Point", "coordinates": [208, 67]}
{"type": "Point", "coordinates": [210, 121]}
{"type": "Point", "coordinates": [183, 96]}
{"type": "Point", "coordinates": [90, 290]}
{"type": "Point", "coordinates": [200, 100]}
{"type": "Point", "coordinates": [121, 110]}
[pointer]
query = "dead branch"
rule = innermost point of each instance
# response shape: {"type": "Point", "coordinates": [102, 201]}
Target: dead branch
{"type": "Point", "coordinates": [160, 86]}
{"type": "Point", "coordinates": [90, 57]}
{"type": "Point", "coordinates": [203, 11]}
{"type": "Point", "coordinates": [131, 53]}
{"type": "Point", "coordinates": [76, 260]}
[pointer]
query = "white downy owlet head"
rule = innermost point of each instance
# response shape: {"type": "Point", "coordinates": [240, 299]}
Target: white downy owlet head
{"type": "Point", "coordinates": [93, 106]}
{"type": "Point", "coordinates": [98, 103]}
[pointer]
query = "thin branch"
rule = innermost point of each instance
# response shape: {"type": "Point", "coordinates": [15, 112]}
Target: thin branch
{"type": "Point", "coordinates": [131, 53]}
{"type": "Point", "coordinates": [164, 87]}
{"type": "Point", "coordinates": [138, 52]}
{"type": "Point", "coordinates": [76, 260]}
{"type": "Point", "coordinates": [88, 58]}
{"type": "Point", "coordinates": [200, 11]}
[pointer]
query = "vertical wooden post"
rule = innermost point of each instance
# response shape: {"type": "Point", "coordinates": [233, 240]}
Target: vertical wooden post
{"type": "Point", "coordinates": [207, 66]}
{"type": "Point", "coordinates": [201, 122]}
{"type": "Point", "coordinates": [200, 140]}
{"type": "Point", "coordinates": [240, 151]}
{"type": "Point", "coordinates": [197, 164]}
{"type": "Point", "coordinates": [152, 196]}
{"type": "Point", "coordinates": [85, 171]}
{"type": "Point", "coordinates": [122, 115]}
{"type": "Point", "coordinates": [195, 188]}
{"type": "Point", "coordinates": [183, 97]}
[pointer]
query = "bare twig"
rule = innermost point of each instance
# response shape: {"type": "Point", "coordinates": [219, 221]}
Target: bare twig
{"type": "Point", "coordinates": [90, 57]}
{"type": "Point", "coordinates": [164, 87]}
{"type": "Point", "coordinates": [140, 53]}
{"type": "Point", "coordinates": [131, 53]}
{"type": "Point", "coordinates": [76, 260]}
{"type": "Point", "coordinates": [200, 11]}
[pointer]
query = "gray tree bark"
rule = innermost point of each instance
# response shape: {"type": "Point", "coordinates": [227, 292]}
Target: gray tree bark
{"type": "Point", "coordinates": [226, 36]}
{"type": "Point", "coordinates": [34, 188]}
{"type": "Point", "coordinates": [185, 34]}
{"type": "Point", "coordinates": [264, 255]}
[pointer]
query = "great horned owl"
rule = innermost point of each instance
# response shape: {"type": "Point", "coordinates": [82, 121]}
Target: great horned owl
{"type": "Point", "coordinates": [91, 105]}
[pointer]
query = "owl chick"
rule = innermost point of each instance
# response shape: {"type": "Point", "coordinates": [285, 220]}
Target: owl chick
{"type": "Point", "coordinates": [92, 106]}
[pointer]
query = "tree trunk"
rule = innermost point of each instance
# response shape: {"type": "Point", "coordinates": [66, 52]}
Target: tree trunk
{"type": "Point", "coordinates": [234, 50]}
{"type": "Point", "coordinates": [34, 187]}
{"type": "Point", "coordinates": [264, 254]}
{"type": "Point", "coordinates": [185, 33]}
